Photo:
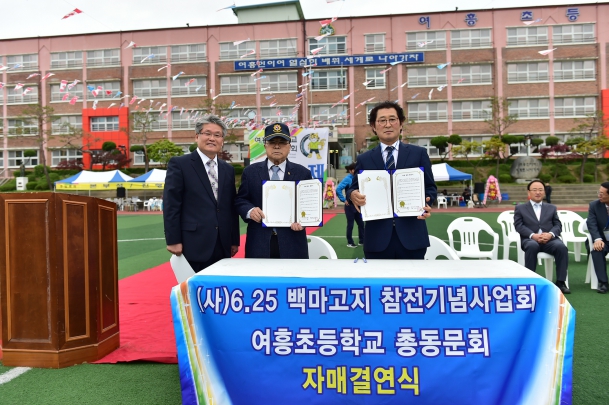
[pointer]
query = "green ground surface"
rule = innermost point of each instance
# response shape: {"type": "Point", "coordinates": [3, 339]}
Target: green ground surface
{"type": "Point", "coordinates": [149, 383]}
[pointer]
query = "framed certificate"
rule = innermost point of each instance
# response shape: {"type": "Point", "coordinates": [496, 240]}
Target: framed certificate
{"type": "Point", "coordinates": [376, 186]}
{"type": "Point", "coordinates": [408, 192]}
{"type": "Point", "coordinates": [278, 202]}
{"type": "Point", "coordinates": [309, 202]}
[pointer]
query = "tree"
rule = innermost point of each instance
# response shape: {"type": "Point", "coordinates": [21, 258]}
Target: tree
{"type": "Point", "coordinates": [494, 148]}
{"type": "Point", "coordinates": [142, 124]}
{"type": "Point", "coordinates": [499, 120]}
{"type": "Point", "coordinates": [589, 140]}
{"type": "Point", "coordinates": [110, 156]}
{"type": "Point", "coordinates": [440, 142]}
{"type": "Point", "coordinates": [163, 150]}
{"type": "Point", "coordinates": [466, 149]}
{"type": "Point", "coordinates": [510, 140]}
{"type": "Point", "coordinates": [44, 117]}
{"type": "Point", "coordinates": [77, 138]}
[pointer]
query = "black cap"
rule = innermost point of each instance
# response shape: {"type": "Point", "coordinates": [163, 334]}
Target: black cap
{"type": "Point", "coordinates": [277, 129]}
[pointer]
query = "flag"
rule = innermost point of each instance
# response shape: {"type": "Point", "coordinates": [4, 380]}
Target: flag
{"type": "Point", "coordinates": [73, 101]}
{"type": "Point", "coordinates": [65, 97]}
{"type": "Point", "coordinates": [131, 44]}
{"type": "Point", "coordinates": [70, 14]}
{"type": "Point", "coordinates": [18, 86]}
{"type": "Point", "coordinates": [328, 21]}
{"type": "Point", "coordinates": [47, 76]}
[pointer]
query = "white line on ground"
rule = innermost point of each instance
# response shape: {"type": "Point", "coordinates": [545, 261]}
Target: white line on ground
{"type": "Point", "coordinates": [135, 240]}
{"type": "Point", "coordinates": [12, 374]}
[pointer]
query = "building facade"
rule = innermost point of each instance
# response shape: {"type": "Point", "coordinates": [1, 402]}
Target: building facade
{"type": "Point", "coordinates": [442, 67]}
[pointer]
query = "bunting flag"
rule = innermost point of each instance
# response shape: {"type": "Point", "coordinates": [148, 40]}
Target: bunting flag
{"type": "Point", "coordinates": [430, 92]}
{"type": "Point", "coordinates": [111, 105]}
{"type": "Point", "coordinates": [141, 101]}
{"type": "Point", "coordinates": [273, 104]}
{"type": "Point", "coordinates": [415, 96]}
{"type": "Point", "coordinates": [95, 104]}
{"type": "Point", "coordinates": [178, 75]}
{"type": "Point", "coordinates": [131, 44]}
{"type": "Point", "coordinates": [47, 76]}
{"type": "Point", "coordinates": [74, 83]}
{"type": "Point", "coordinates": [118, 93]}
{"type": "Point", "coordinates": [440, 88]}
{"type": "Point", "coordinates": [404, 84]}
{"type": "Point", "coordinates": [258, 78]}
{"type": "Point", "coordinates": [2, 84]}
{"type": "Point", "coordinates": [256, 72]}
{"type": "Point", "coordinates": [547, 51]}
{"type": "Point", "coordinates": [74, 99]}
{"type": "Point", "coordinates": [267, 97]}
{"type": "Point", "coordinates": [213, 98]}
{"type": "Point", "coordinates": [108, 92]}
{"type": "Point", "coordinates": [240, 42]}
{"type": "Point", "coordinates": [443, 65]}
{"type": "Point", "coordinates": [188, 83]}
{"type": "Point", "coordinates": [385, 71]}
{"type": "Point", "coordinates": [317, 50]}
{"type": "Point", "coordinates": [199, 88]}
{"type": "Point", "coordinates": [328, 21]}
{"type": "Point", "coordinates": [460, 80]}
{"type": "Point", "coordinates": [18, 86]}
{"type": "Point", "coordinates": [133, 100]}
{"type": "Point", "coordinates": [65, 97]}
{"type": "Point", "coordinates": [395, 88]}
{"type": "Point", "coordinates": [164, 67]}
{"type": "Point", "coordinates": [70, 14]}
{"type": "Point", "coordinates": [26, 91]}
{"type": "Point", "coordinates": [2, 67]}
{"type": "Point", "coordinates": [319, 38]}
{"type": "Point", "coordinates": [181, 111]}
{"type": "Point", "coordinates": [396, 62]}
{"type": "Point", "coordinates": [422, 44]}
{"type": "Point", "coordinates": [367, 82]}
{"type": "Point", "coordinates": [531, 22]}
{"type": "Point", "coordinates": [148, 57]}
{"type": "Point", "coordinates": [32, 75]}
{"type": "Point", "coordinates": [225, 8]}
{"type": "Point", "coordinates": [247, 54]}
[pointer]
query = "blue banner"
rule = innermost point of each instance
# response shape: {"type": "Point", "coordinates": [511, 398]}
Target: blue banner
{"type": "Point", "coordinates": [331, 61]}
{"type": "Point", "coordinates": [280, 340]}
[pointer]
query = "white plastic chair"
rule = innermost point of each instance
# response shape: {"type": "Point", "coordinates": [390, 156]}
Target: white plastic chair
{"type": "Point", "coordinates": [509, 234]}
{"type": "Point", "coordinates": [439, 248]}
{"type": "Point", "coordinates": [469, 229]}
{"type": "Point", "coordinates": [590, 273]}
{"type": "Point", "coordinates": [568, 219]}
{"type": "Point", "coordinates": [147, 205]}
{"type": "Point", "coordinates": [320, 249]}
{"type": "Point", "coordinates": [442, 201]}
{"type": "Point", "coordinates": [546, 258]}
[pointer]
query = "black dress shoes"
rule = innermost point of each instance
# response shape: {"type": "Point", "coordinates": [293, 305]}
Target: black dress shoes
{"type": "Point", "coordinates": [602, 288]}
{"type": "Point", "coordinates": [563, 287]}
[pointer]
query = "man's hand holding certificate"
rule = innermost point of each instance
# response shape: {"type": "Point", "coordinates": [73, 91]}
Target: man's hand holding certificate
{"type": "Point", "coordinates": [382, 195]}
{"type": "Point", "coordinates": [291, 204]}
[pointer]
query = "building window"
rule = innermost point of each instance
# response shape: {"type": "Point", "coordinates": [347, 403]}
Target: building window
{"type": "Point", "coordinates": [63, 60]}
{"type": "Point", "coordinates": [573, 33]}
{"type": "Point", "coordinates": [428, 111]}
{"type": "Point", "coordinates": [528, 72]}
{"type": "Point", "coordinates": [280, 82]}
{"type": "Point", "coordinates": [332, 45]}
{"type": "Point", "coordinates": [229, 51]}
{"type": "Point", "coordinates": [530, 108]}
{"type": "Point", "coordinates": [109, 89]}
{"type": "Point", "coordinates": [104, 57]}
{"type": "Point", "coordinates": [471, 74]}
{"type": "Point", "coordinates": [159, 125]}
{"type": "Point", "coordinates": [471, 110]}
{"type": "Point", "coordinates": [138, 158]}
{"type": "Point", "coordinates": [189, 53]}
{"type": "Point", "coordinates": [278, 47]}
{"type": "Point", "coordinates": [61, 125]}
{"type": "Point", "coordinates": [56, 95]}
{"type": "Point", "coordinates": [277, 113]}
{"type": "Point", "coordinates": [326, 114]}
{"type": "Point", "coordinates": [329, 79]}
{"type": "Point", "coordinates": [376, 79]}
{"type": "Point", "coordinates": [470, 38]}
{"type": "Point", "coordinates": [23, 62]}
{"type": "Point", "coordinates": [15, 158]}
{"type": "Point", "coordinates": [375, 43]}
{"type": "Point", "coordinates": [527, 36]}
{"type": "Point", "coordinates": [426, 40]}
{"type": "Point", "coordinates": [238, 150]}
{"type": "Point", "coordinates": [1, 158]}
{"type": "Point", "coordinates": [183, 120]}
{"type": "Point", "coordinates": [149, 54]}
{"type": "Point", "coordinates": [574, 70]}
{"type": "Point", "coordinates": [574, 106]}
{"type": "Point", "coordinates": [150, 88]}
{"type": "Point", "coordinates": [104, 124]}
{"type": "Point", "coordinates": [17, 97]}
{"type": "Point", "coordinates": [426, 76]}
{"type": "Point", "coordinates": [22, 127]}
{"type": "Point", "coordinates": [183, 87]}
{"type": "Point", "coordinates": [237, 84]}
{"type": "Point", "coordinates": [60, 155]}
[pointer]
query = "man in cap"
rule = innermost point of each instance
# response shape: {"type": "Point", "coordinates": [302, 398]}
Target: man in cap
{"type": "Point", "coordinates": [199, 214]}
{"type": "Point", "coordinates": [263, 242]}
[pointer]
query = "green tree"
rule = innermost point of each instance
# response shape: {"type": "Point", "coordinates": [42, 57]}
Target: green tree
{"type": "Point", "coordinates": [43, 117]}
{"type": "Point", "coordinates": [466, 149]}
{"type": "Point", "coordinates": [77, 138]}
{"type": "Point", "coordinates": [589, 140]}
{"type": "Point", "coordinates": [142, 124]}
{"type": "Point", "coordinates": [440, 142]}
{"type": "Point", "coordinates": [494, 148]}
{"type": "Point", "coordinates": [552, 141]}
{"type": "Point", "coordinates": [163, 150]}
{"type": "Point", "coordinates": [498, 121]}
{"type": "Point", "coordinates": [511, 140]}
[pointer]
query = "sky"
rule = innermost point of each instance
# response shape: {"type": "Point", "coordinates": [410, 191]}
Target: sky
{"type": "Point", "coordinates": [34, 18]}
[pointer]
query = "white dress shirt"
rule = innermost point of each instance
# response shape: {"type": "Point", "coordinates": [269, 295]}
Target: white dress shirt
{"type": "Point", "coordinates": [205, 159]}
{"type": "Point", "coordinates": [396, 147]}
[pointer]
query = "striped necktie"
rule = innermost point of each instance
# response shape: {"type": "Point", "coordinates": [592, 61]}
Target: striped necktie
{"type": "Point", "coordinates": [275, 175]}
{"type": "Point", "coordinates": [389, 162]}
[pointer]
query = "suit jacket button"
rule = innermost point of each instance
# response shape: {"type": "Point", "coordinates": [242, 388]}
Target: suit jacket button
{"type": "Point", "coordinates": [216, 227]}
{"type": "Point", "coordinates": [218, 210]}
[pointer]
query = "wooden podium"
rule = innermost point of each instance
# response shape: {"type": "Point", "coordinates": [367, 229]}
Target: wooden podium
{"type": "Point", "coordinates": [58, 279]}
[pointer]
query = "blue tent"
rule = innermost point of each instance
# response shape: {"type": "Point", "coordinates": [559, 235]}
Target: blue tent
{"type": "Point", "coordinates": [443, 172]}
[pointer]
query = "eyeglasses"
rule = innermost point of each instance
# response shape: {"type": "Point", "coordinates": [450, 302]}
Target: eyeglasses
{"type": "Point", "coordinates": [208, 134]}
{"type": "Point", "coordinates": [282, 142]}
{"type": "Point", "coordinates": [537, 190]}
{"type": "Point", "coordinates": [391, 121]}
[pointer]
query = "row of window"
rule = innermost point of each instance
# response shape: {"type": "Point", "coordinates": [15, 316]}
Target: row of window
{"type": "Point", "coordinates": [333, 45]}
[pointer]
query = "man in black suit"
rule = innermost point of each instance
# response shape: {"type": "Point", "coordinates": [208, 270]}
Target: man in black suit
{"type": "Point", "coordinates": [403, 237]}
{"type": "Point", "coordinates": [539, 229]}
{"type": "Point", "coordinates": [263, 242]}
{"type": "Point", "coordinates": [598, 223]}
{"type": "Point", "coordinates": [199, 213]}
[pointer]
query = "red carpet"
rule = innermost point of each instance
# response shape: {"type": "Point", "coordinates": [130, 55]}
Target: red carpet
{"type": "Point", "coordinates": [145, 313]}
{"type": "Point", "coordinates": [145, 318]}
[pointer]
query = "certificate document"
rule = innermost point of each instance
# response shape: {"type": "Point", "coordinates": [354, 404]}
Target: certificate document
{"type": "Point", "coordinates": [278, 202]}
{"type": "Point", "coordinates": [408, 192]}
{"type": "Point", "coordinates": [376, 186]}
{"type": "Point", "coordinates": [309, 202]}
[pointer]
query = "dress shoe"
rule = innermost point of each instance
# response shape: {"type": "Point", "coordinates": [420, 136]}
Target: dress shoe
{"type": "Point", "coordinates": [563, 287]}
{"type": "Point", "coordinates": [602, 288]}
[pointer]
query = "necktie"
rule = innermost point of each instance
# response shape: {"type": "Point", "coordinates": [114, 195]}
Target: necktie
{"type": "Point", "coordinates": [537, 210]}
{"type": "Point", "coordinates": [275, 175]}
{"type": "Point", "coordinates": [213, 177]}
{"type": "Point", "coordinates": [389, 163]}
